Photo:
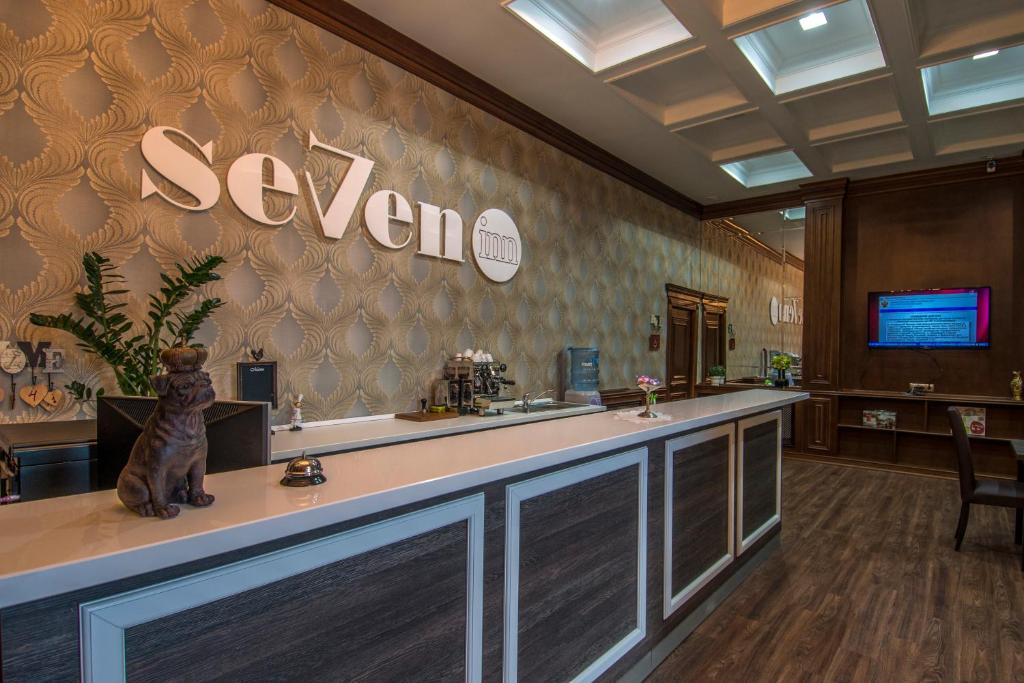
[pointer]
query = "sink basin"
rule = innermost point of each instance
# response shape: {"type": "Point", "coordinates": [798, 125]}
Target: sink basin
{"type": "Point", "coordinates": [545, 407]}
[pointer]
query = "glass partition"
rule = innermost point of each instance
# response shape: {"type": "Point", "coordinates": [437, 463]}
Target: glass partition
{"type": "Point", "coordinates": [752, 270]}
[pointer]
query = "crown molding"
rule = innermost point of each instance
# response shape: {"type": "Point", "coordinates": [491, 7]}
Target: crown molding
{"type": "Point", "coordinates": [743, 235]}
{"type": "Point", "coordinates": [768, 202]}
{"type": "Point", "coordinates": [973, 171]}
{"type": "Point", "coordinates": [373, 35]}
{"type": "Point", "coordinates": [825, 189]}
{"type": "Point", "coordinates": [970, 172]}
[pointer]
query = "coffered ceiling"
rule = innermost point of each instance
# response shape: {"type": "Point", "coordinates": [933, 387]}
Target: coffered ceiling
{"type": "Point", "coordinates": [728, 99]}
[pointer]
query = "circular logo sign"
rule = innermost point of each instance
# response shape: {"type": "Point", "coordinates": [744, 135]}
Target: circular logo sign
{"type": "Point", "coordinates": [773, 311]}
{"type": "Point", "coordinates": [497, 247]}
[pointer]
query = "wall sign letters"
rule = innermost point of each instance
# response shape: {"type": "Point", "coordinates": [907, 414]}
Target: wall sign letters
{"type": "Point", "coordinates": [497, 245]}
{"type": "Point", "coordinates": [790, 310]}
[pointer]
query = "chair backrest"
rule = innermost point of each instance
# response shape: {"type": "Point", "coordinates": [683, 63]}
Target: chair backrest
{"type": "Point", "coordinates": [964, 462]}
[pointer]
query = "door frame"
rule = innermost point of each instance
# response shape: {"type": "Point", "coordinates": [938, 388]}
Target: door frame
{"type": "Point", "coordinates": [698, 302]}
{"type": "Point", "coordinates": [711, 303]}
{"type": "Point", "coordinates": [688, 299]}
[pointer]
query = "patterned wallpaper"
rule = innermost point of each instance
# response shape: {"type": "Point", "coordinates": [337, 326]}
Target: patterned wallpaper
{"type": "Point", "coordinates": [356, 328]}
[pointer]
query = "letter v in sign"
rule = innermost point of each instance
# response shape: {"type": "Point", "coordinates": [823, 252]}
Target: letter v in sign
{"type": "Point", "coordinates": [341, 207]}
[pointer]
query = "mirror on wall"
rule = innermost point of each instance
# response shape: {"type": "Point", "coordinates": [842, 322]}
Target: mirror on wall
{"type": "Point", "coordinates": [755, 263]}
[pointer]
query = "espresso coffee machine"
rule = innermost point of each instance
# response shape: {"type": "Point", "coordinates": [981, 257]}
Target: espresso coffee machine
{"type": "Point", "coordinates": [474, 384]}
{"type": "Point", "coordinates": [489, 380]}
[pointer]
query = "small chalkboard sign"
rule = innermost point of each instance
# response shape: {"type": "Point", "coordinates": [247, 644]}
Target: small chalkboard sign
{"type": "Point", "coordinates": [257, 382]}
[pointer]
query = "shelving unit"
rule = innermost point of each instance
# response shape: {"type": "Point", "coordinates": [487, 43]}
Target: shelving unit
{"type": "Point", "coordinates": [922, 439]}
{"type": "Point", "coordinates": [829, 428]}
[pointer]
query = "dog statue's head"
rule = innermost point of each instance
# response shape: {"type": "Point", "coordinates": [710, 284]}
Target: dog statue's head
{"type": "Point", "coordinates": [185, 391]}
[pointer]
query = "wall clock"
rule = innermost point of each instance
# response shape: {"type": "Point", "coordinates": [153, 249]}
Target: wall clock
{"type": "Point", "coordinates": [12, 360]}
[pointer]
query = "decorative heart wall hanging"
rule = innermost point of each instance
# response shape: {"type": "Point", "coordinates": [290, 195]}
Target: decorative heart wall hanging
{"type": "Point", "coordinates": [52, 400]}
{"type": "Point", "coordinates": [33, 394]}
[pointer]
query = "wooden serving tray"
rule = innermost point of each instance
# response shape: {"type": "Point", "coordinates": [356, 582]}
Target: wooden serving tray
{"type": "Point", "coordinates": [427, 417]}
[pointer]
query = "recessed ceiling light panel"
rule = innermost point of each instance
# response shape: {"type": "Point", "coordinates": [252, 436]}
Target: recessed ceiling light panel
{"type": "Point", "coordinates": [767, 169]}
{"type": "Point", "coordinates": [982, 80]}
{"type": "Point", "coordinates": [813, 21]}
{"type": "Point", "coordinates": [602, 34]}
{"type": "Point", "coordinates": [791, 56]}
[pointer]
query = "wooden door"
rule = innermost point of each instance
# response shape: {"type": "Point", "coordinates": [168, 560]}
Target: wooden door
{"type": "Point", "coordinates": [714, 337]}
{"type": "Point", "coordinates": [681, 350]}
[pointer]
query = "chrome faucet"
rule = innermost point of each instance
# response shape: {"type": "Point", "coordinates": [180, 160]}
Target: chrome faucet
{"type": "Point", "coordinates": [527, 399]}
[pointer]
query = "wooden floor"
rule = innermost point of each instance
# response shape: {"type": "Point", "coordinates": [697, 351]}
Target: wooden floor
{"type": "Point", "coordinates": [867, 587]}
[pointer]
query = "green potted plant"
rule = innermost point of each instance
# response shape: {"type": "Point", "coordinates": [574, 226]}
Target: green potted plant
{"type": "Point", "coordinates": [104, 330]}
{"type": "Point", "coordinates": [780, 364]}
{"type": "Point", "coordinates": [716, 375]}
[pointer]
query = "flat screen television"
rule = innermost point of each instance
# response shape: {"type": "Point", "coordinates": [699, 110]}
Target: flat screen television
{"type": "Point", "coordinates": [958, 318]}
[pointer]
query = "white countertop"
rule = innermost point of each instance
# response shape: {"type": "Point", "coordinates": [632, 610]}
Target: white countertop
{"type": "Point", "coordinates": [369, 433]}
{"type": "Point", "coordinates": [64, 544]}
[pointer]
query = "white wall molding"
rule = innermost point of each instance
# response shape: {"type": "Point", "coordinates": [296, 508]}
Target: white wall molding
{"type": "Point", "coordinates": [103, 622]}
{"type": "Point", "coordinates": [515, 494]}
{"type": "Point", "coordinates": [673, 601]}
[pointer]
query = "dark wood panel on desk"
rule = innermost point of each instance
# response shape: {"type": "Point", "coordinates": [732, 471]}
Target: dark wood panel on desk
{"type": "Point", "coordinates": [700, 509]}
{"type": "Point", "coordinates": [40, 640]}
{"type": "Point", "coordinates": [966, 234]}
{"type": "Point", "coordinates": [577, 574]}
{"type": "Point", "coordinates": [365, 617]}
{"type": "Point", "coordinates": [760, 474]}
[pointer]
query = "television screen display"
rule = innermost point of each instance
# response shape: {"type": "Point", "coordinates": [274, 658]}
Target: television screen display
{"type": "Point", "coordinates": [930, 318]}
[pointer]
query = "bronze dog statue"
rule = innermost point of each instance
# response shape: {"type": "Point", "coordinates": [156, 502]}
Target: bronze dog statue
{"type": "Point", "coordinates": [168, 461]}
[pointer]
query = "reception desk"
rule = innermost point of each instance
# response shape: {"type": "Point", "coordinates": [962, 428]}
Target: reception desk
{"type": "Point", "coordinates": [575, 549]}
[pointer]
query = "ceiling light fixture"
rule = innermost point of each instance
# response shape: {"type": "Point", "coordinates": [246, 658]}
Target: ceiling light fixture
{"type": "Point", "coordinates": [813, 21]}
{"type": "Point", "coordinates": [983, 55]}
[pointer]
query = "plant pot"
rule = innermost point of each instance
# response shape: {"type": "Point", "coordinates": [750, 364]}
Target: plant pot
{"type": "Point", "coordinates": [717, 381]}
{"type": "Point", "coordinates": [183, 358]}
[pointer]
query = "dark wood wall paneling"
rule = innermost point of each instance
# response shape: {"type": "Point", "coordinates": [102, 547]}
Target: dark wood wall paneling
{"type": "Point", "coordinates": [819, 424]}
{"type": "Point", "coordinates": [958, 234]}
{"type": "Point", "coordinates": [822, 258]}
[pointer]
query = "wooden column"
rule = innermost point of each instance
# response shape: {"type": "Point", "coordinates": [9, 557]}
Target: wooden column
{"type": "Point", "coordinates": [822, 281]}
